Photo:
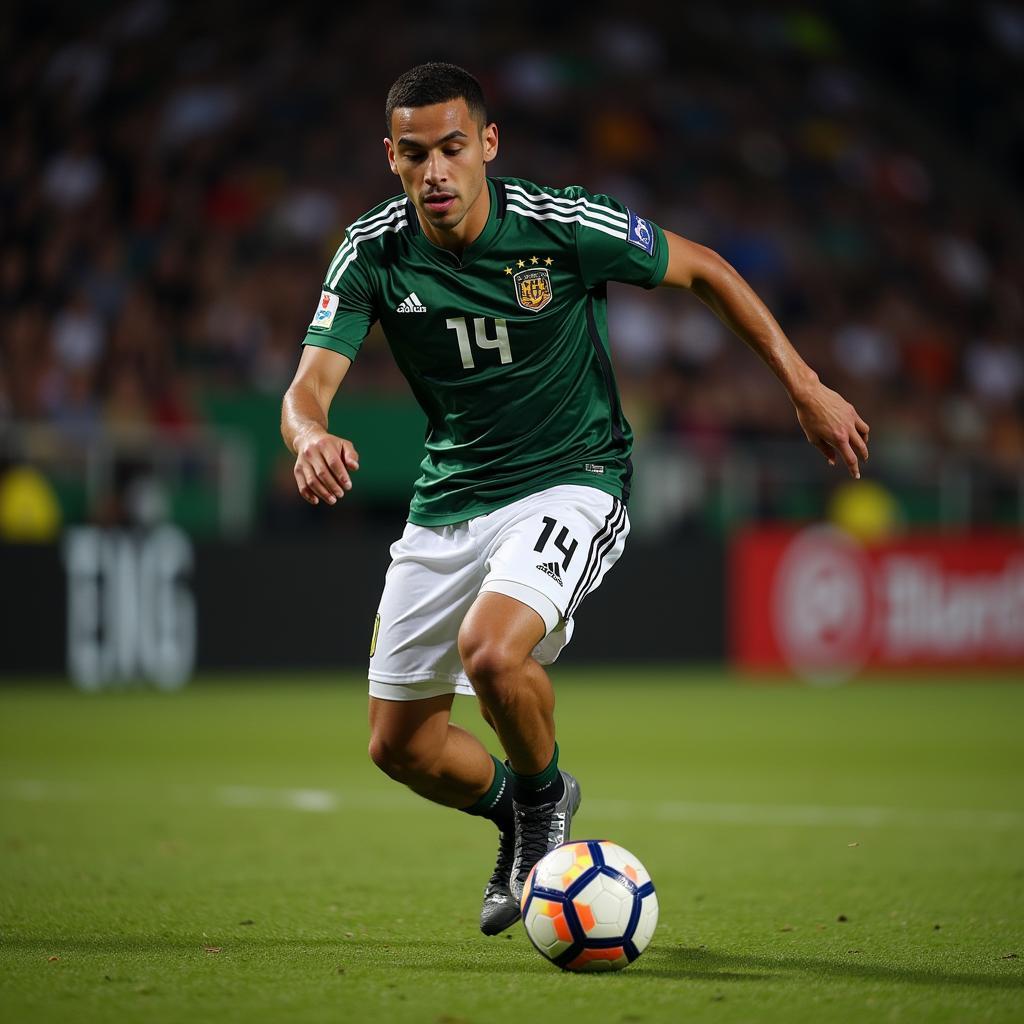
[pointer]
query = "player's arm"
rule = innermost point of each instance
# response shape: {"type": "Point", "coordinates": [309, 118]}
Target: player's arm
{"type": "Point", "coordinates": [323, 462]}
{"type": "Point", "coordinates": [831, 424]}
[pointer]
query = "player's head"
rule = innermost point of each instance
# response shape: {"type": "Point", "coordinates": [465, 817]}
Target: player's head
{"type": "Point", "coordinates": [436, 82]}
{"type": "Point", "coordinates": [439, 140]}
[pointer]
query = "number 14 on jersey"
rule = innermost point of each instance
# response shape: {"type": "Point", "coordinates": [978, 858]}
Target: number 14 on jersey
{"type": "Point", "coordinates": [459, 325]}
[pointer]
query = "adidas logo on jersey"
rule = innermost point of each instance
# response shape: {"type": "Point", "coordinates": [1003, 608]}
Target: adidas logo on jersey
{"type": "Point", "coordinates": [411, 304]}
{"type": "Point", "coordinates": [551, 568]}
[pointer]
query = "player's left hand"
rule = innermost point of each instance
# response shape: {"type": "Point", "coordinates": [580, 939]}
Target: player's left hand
{"type": "Point", "coordinates": [833, 426]}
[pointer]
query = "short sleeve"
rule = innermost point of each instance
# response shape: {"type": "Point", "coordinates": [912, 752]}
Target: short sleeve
{"type": "Point", "coordinates": [346, 309]}
{"type": "Point", "coordinates": [615, 243]}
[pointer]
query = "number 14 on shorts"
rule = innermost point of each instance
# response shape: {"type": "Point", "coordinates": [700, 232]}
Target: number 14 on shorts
{"type": "Point", "coordinates": [561, 541]}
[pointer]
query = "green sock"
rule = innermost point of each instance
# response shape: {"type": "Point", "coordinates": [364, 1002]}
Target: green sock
{"type": "Point", "coordinates": [496, 803]}
{"type": "Point", "coordinates": [543, 788]}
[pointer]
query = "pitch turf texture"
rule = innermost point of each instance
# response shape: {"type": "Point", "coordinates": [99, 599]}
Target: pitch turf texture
{"type": "Point", "coordinates": [228, 853]}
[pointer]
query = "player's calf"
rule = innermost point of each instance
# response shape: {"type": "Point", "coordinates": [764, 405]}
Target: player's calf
{"type": "Point", "coordinates": [414, 742]}
{"type": "Point", "coordinates": [519, 704]}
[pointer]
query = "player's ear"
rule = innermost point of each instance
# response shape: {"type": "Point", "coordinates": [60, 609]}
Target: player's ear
{"type": "Point", "coordinates": [390, 150]}
{"type": "Point", "coordinates": [489, 140]}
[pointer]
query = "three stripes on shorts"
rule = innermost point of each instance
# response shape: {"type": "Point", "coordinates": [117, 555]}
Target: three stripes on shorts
{"type": "Point", "coordinates": [603, 542]}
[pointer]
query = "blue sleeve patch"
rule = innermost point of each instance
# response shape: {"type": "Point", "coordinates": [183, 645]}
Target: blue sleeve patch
{"type": "Point", "coordinates": [641, 233]}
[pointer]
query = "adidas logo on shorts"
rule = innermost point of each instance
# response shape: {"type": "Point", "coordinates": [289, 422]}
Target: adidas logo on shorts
{"type": "Point", "coordinates": [551, 568]}
{"type": "Point", "coordinates": [411, 304]}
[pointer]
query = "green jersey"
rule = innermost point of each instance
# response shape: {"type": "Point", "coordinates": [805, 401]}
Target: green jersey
{"type": "Point", "coordinates": [505, 346]}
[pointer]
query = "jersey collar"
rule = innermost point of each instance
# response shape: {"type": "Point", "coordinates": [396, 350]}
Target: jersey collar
{"type": "Point", "coordinates": [477, 247]}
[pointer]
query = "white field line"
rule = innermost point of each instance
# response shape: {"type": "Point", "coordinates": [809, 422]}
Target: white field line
{"type": "Point", "coordinates": [321, 800]}
{"type": "Point", "coordinates": [691, 812]}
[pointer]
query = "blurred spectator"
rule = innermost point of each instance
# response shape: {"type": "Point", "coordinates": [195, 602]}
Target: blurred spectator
{"type": "Point", "coordinates": [70, 399]}
{"type": "Point", "coordinates": [995, 371]}
{"type": "Point", "coordinates": [78, 333]}
{"type": "Point", "coordinates": [73, 177]}
{"type": "Point", "coordinates": [864, 350]}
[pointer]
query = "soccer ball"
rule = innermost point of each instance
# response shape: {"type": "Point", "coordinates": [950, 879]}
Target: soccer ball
{"type": "Point", "coordinates": [590, 906]}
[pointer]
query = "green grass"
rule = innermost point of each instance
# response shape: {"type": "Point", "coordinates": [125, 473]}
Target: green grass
{"type": "Point", "coordinates": [820, 855]}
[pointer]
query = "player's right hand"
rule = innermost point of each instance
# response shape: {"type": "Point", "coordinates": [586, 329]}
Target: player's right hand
{"type": "Point", "coordinates": [322, 467]}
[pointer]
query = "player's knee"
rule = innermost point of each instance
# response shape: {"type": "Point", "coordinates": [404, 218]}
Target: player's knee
{"type": "Point", "coordinates": [490, 664]}
{"type": "Point", "coordinates": [402, 762]}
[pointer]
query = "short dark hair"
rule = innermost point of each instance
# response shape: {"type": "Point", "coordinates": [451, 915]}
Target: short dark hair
{"type": "Point", "coordinates": [436, 82]}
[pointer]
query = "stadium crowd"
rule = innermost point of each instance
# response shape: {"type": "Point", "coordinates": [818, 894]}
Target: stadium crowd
{"type": "Point", "coordinates": [175, 180]}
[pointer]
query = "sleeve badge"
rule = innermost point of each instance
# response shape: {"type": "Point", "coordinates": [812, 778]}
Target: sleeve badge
{"type": "Point", "coordinates": [325, 310]}
{"type": "Point", "coordinates": [641, 233]}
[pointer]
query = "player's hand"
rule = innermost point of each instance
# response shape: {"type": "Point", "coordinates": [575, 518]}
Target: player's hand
{"type": "Point", "coordinates": [833, 426]}
{"type": "Point", "coordinates": [322, 467]}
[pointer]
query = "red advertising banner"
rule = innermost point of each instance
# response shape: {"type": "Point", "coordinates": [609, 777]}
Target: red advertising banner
{"type": "Point", "coordinates": [821, 604]}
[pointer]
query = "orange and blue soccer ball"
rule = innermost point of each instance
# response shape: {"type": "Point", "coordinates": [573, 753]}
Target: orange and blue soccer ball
{"type": "Point", "coordinates": [590, 906]}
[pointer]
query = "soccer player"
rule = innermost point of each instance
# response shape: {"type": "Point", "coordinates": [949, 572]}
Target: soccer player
{"type": "Point", "coordinates": [492, 295]}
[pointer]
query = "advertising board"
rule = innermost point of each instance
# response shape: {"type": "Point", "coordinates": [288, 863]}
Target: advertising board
{"type": "Point", "coordinates": [821, 604]}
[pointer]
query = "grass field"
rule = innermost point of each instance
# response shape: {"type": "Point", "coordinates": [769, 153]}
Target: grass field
{"type": "Point", "coordinates": [228, 853]}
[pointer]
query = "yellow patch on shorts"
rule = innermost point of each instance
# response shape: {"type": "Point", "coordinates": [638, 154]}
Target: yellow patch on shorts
{"type": "Point", "coordinates": [376, 630]}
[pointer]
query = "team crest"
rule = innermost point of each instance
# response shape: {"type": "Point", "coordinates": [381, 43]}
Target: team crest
{"type": "Point", "coordinates": [533, 289]}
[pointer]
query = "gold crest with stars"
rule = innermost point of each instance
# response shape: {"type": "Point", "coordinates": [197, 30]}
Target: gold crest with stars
{"type": "Point", "coordinates": [532, 283]}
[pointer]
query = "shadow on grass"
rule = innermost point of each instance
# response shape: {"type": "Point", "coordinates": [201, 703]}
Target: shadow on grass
{"type": "Point", "coordinates": [682, 962]}
{"type": "Point", "coordinates": [495, 957]}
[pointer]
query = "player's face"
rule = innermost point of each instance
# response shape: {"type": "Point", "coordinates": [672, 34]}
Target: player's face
{"type": "Point", "coordinates": [439, 152]}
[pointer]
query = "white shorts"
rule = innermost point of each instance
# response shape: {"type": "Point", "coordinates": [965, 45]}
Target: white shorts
{"type": "Point", "coordinates": [547, 550]}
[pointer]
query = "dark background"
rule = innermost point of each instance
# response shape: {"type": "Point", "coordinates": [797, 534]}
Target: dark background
{"type": "Point", "coordinates": [175, 178]}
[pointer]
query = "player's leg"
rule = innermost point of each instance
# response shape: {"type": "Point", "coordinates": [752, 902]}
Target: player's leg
{"type": "Point", "coordinates": [414, 743]}
{"type": "Point", "coordinates": [415, 671]}
{"type": "Point", "coordinates": [547, 553]}
{"type": "Point", "coordinates": [496, 642]}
